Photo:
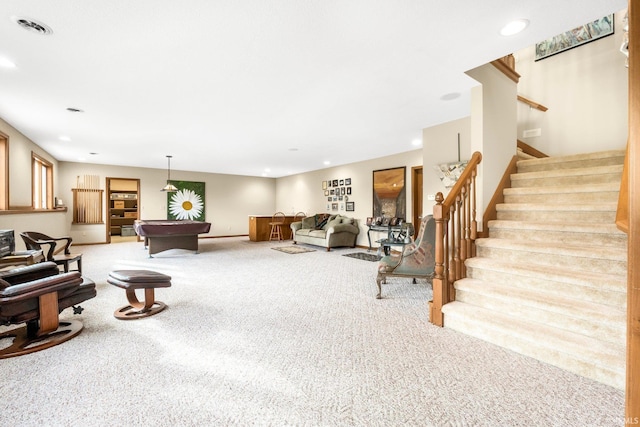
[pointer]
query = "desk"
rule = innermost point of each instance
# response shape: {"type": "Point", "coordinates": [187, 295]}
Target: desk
{"type": "Point", "coordinates": [259, 228]}
{"type": "Point", "coordinates": [162, 235]}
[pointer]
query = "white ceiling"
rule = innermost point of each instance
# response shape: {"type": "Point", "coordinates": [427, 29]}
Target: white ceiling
{"type": "Point", "coordinates": [243, 86]}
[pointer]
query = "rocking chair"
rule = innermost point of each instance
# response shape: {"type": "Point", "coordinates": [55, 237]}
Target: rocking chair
{"type": "Point", "coordinates": [35, 295]}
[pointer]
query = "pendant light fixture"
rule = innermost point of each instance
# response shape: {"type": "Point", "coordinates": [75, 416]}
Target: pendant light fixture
{"type": "Point", "coordinates": [169, 188]}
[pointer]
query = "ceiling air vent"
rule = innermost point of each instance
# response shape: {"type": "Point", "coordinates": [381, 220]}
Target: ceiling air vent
{"type": "Point", "coordinates": [33, 25]}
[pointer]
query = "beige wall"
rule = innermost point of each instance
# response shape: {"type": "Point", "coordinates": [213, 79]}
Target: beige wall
{"type": "Point", "coordinates": [493, 129]}
{"type": "Point", "coordinates": [303, 192]}
{"type": "Point", "coordinates": [51, 223]}
{"type": "Point", "coordinates": [440, 145]}
{"type": "Point", "coordinates": [585, 89]}
{"type": "Point", "coordinates": [20, 148]}
{"type": "Point", "coordinates": [229, 201]}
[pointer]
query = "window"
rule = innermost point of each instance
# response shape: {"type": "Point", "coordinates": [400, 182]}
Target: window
{"type": "Point", "coordinates": [42, 183]}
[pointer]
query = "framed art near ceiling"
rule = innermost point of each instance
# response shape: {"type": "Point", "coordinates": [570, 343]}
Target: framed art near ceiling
{"type": "Point", "coordinates": [187, 202]}
{"type": "Point", "coordinates": [573, 38]}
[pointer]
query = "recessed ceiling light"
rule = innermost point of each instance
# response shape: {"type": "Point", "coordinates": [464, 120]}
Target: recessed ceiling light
{"type": "Point", "coordinates": [93, 154]}
{"type": "Point", "coordinates": [33, 25]}
{"type": "Point", "coordinates": [450, 96]}
{"type": "Point", "coordinates": [327, 162]}
{"type": "Point", "coordinates": [416, 142]}
{"type": "Point", "coordinates": [6, 63]}
{"type": "Point", "coordinates": [267, 170]}
{"type": "Point", "coordinates": [74, 110]}
{"type": "Point", "coordinates": [64, 138]}
{"type": "Point", "coordinates": [514, 27]}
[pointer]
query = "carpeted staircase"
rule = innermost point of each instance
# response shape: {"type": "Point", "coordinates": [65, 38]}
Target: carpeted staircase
{"type": "Point", "coordinates": [550, 281]}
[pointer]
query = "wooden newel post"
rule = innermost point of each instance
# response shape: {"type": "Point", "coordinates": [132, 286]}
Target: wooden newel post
{"type": "Point", "coordinates": [440, 289]}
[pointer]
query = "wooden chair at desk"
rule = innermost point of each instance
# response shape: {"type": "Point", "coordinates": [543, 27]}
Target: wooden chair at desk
{"type": "Point", "coordinates": [34, 241]}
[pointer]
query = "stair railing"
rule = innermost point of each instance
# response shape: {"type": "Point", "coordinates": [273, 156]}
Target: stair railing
{"type": "Point", "coordinates": [532, 104]}
{"type": "Point", "coordinates": [456, 232]}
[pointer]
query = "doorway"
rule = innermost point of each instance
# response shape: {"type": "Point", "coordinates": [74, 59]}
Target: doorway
{"type": "Point", "coordinates": [416, 197]}
{"type": "Point", "coordinates": [123, 197]}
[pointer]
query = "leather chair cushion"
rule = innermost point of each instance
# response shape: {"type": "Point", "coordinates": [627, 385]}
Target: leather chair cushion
{"type": "Point", "coordinates": [139, 276]}
{"type": "Point", "coordinates": [19, 304]}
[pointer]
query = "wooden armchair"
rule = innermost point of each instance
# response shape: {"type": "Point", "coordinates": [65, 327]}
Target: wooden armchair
{"type": "Point", "coordinates": [34, 241]}
{"type": "Point", "coordinates": [35, 295]}
{"type": "Point", "coordinates": [417, 259]}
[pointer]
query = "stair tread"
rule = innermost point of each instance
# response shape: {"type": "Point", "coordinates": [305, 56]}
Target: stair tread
{"type": "Point", "coordinates": [606, 281]}
{"type": "Point", "coordinates": [563, 189]}
{"type": "Point", "coordinates": [578, 309]}
{"type": "Point", "coordinates": [588, 349]}
{"type": "Point", "coordinates": [574, 157]}
{"type": "Point", "coordinates": [555, 173]}
{"type": "Point", "coordinates": [601, 252]}
{"type": "Point", "coordinates": [584, 227]}
{"type": "Point", "coordinates": [592, 207]}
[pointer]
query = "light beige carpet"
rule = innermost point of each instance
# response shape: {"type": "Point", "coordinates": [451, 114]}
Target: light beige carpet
{"type": "Point", "coordinates": [254, 338]}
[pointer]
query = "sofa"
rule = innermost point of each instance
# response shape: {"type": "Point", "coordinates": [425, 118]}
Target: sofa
{"type": "Point", "coordinates": [328, 231]}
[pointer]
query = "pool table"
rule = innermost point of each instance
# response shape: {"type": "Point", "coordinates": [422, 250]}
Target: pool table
{"type": "Point", "coordinates": [161, 235]}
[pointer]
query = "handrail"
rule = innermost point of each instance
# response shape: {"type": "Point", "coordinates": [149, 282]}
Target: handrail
{"type": "Point", "coordinates": [532, 104]}
{"type": "Point", "coordinates": [622, 212]}
{"type": "Point", "coordinates": [456, 232]}
{"type": "Point", "coordinates": [527, 149]}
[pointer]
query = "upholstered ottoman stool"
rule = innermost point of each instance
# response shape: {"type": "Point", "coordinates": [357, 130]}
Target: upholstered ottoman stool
{"type": "Point", "coordinates": [130, 280]}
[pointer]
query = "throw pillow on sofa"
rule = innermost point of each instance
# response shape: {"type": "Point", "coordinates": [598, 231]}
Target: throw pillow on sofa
{"type": "Point", "coordinates": [333, 221]}
{"type": "Point", "coordinates": [309, 222]}
{"type": "Point", "coordinates": [321, 221]}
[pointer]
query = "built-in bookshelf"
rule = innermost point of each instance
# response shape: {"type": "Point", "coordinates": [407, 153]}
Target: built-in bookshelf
{"type": "Point", "coordinates": [123, 206]}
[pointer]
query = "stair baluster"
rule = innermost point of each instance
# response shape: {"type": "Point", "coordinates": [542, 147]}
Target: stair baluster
{"type": "Point", "coordinates": [456, 231]}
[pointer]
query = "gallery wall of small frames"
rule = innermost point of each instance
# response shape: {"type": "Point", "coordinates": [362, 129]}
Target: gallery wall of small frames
{"type": "Point", "coordinates": [337, 192]}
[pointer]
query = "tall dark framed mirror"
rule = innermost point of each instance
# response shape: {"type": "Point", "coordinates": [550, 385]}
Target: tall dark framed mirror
{"type": "Point", "coordinates": [389, 193]}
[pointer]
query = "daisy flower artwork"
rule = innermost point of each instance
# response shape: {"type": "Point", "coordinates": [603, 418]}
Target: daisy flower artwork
{"type": "Point", "coordinates": [186, 204]}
